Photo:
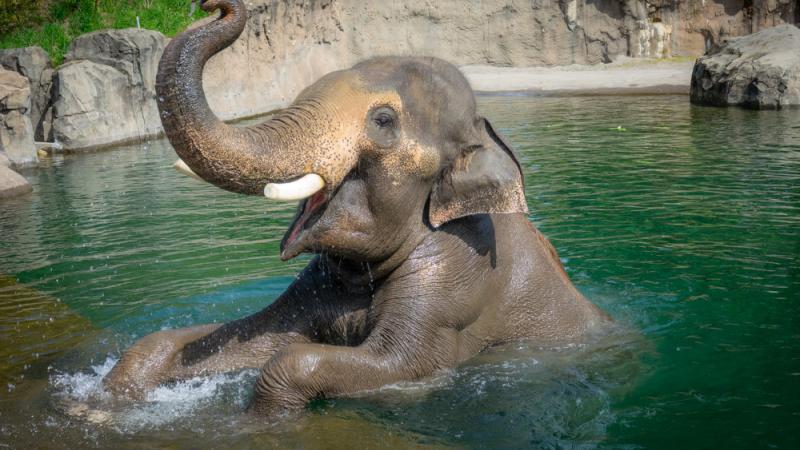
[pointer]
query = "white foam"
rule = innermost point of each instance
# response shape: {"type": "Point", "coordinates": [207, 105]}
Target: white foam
{"type": "Point", "coordinates": [198, 389]}
{"type": "Point", "coordinates": [164, 405]}
{"type": "Point", "coordinates": [82, 386]}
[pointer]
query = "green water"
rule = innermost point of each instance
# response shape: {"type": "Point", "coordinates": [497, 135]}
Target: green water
{"type": "Point", "coordinates": [682, 222]}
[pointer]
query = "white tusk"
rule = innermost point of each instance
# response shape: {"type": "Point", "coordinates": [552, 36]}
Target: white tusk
{"type": "Point", "coordinates": [298, 189]}
{"type": "Point", "coordinates": [181, 167]}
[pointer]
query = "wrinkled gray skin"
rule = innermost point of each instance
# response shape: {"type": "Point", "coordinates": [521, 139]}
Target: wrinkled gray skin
{"type": "Point", "coordinates": [425, 255]}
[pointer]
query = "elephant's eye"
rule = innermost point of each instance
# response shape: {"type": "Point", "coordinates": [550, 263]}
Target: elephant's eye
{"type": "Point", "coordinates": [383, 119]}
{"type": "Point", "coordinates": [383, 126]}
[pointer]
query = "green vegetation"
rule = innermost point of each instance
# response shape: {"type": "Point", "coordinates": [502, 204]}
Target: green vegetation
{"type": "Point", "coordinates": [53, 24]}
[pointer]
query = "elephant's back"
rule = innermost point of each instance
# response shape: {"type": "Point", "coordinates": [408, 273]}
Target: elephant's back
{"type": "Point", "coordinates": [539, 301]}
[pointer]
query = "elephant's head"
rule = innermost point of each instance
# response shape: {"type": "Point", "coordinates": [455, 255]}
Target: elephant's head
{"type": "Point", "coordinates": [374, 152]}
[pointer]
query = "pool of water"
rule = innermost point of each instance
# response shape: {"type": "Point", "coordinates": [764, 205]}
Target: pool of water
{"type": "Point", "coordinates": [682, 222]}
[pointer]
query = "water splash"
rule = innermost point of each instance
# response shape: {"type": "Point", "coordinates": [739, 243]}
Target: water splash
{"type": "Point", "coordinates": [83, 386]}
{"type": "Point", "coordinates": [178, 402]}
{"type": "Point", "coordinates": [83, 396]}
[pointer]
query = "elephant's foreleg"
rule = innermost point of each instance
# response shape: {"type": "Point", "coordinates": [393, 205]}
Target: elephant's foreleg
{"type": "Point", "coordinates": [314, 302]}
{"type": "Point", "coordinates": [302, 372]}
{"type": "Point", "coordinates": [201, 350]}
{"type": "Point", "coordinates": [146, 364]}
{"type": "Point", "coordinates": [236, 345]}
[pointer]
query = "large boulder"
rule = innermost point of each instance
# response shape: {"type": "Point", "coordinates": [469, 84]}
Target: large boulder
{"type": "Point", "coordinates": [105, 92]}
{"type": "Point", "coordinates": [760, 71]}
{"type": "Point", "coordinates": [12, 184]}
{"type": "Point", "coordinates": [95, 107]}
{"type": "Point", "coordinates": [34, 64]}
{"type": "Point", "coordinates": [134, 52]}
{"type": "Point", "coordinates": [16, 133]}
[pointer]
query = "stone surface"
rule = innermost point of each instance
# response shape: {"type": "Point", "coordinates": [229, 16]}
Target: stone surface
{"type": "Point", "coordinates": [134, 52]}
{"type": "Point", "coordinates": [623, 77]}
{"type": "Point", "coordinates": [659, 28]}
{"type": "Point", "coordinates": [760, 71]}
{"type": "Point", "coordinates": [104, 94]}
{"type": "Point", "coordinates": [34, 64]}
{"type": "Point", "coordinates": [288, 45]}
{"type": "Point", "coordinates": [16, 133]}
{"type": "Point", "coordinates": [12, 184]}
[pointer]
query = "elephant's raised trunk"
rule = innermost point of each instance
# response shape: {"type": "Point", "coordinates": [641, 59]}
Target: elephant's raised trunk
{"type": "Point", "coordinates": [237, 159]}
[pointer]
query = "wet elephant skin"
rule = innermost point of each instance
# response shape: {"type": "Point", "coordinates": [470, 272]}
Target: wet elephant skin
{"type": "Point", "coordinates": [424, 253]}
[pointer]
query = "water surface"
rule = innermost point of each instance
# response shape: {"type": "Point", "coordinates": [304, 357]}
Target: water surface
{"type": "Point", "coordinates": [682, 222]}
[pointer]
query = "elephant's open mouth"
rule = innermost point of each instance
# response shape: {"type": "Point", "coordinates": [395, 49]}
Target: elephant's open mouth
{"type": "Point", "coordinates": [312, 210]}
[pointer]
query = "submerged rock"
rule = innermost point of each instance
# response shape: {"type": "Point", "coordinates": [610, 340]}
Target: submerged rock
{"type": "Point", "coordinates": [760, 71]}
{"type": "Point", "coordinates": [105, 92]}
{"type": "Point", "coordinates": [34, 64]}
{"type": "Point", "coordinates": [40, 324]}
{"type": "Point", "coordinates": [12, 184]}
{"type": "Point", "coordinates": [16, 133]}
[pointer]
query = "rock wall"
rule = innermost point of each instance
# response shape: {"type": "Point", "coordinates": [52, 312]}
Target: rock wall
{"type": "Point", "coordinates": [34, 64]}
{"type": "Point", "coordinates": [288, 45]}
{"type": "Point", "coordinates": [691, 27]}
{"type": "Point", "coordinates": [16, 132]}
{"type": "Point", "coordinates": [285, 47]}
{"type": "Point", "coordinates": [105, 91]}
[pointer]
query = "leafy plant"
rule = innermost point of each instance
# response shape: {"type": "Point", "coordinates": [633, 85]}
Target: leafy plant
{"type": "Point", "coordinates": [53, 24]}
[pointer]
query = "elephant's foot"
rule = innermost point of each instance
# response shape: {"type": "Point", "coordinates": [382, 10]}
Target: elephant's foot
{"type": "Point", "coordinates": [84, 412]}
{"type": "Point", "coordinates": [151, 361]}
{"type": "Point", "coordinates": [185, 353]}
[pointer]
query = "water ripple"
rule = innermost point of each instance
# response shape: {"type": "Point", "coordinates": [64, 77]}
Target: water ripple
{"type": "Point", "coordinates": [683, 222]}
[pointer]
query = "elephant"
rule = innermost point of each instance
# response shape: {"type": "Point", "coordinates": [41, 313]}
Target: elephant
{"type": "Point", "coordinates": [412, 206]}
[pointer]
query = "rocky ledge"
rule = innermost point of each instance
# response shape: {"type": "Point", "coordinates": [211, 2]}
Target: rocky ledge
{"type": "Point", "coordinates": [16, 134]}
{"type": "Point", "coordinates": [759, 71]}
{"type": "Point", "coordinates": [104, 93]}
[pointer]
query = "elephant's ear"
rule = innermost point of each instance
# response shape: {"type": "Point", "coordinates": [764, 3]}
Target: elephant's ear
{"type": "Point", "coordinates": [485, 178]}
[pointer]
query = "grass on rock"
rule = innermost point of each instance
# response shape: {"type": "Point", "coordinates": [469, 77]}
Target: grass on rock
{"type": "Point", "coordinates": [53, 24]}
